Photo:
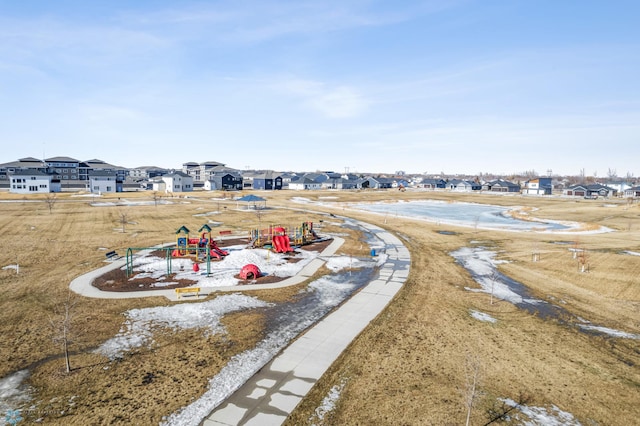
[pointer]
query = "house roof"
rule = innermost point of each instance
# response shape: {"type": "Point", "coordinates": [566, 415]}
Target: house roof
{"type": "Point", "coordinates": [102, 173]}
{"type": "Point", "coordinates": [61, 160]}
{"type": "Point", "coordinates": [30, 172]}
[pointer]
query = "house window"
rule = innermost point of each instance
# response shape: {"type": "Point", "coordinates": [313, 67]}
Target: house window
{"type": "Point", "coordinates": [108, 188]}
{"type": "Point", "coordinates": [33, 188]}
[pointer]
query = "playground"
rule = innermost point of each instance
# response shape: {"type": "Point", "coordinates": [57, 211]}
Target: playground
{"type": "Point", "coordinates": [224, 274]}
{"type": "Point", "coordinates": [263, 257]}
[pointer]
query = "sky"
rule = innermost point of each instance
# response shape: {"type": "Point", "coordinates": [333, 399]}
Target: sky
{"type": "Point", "coordinates": [435, 86]}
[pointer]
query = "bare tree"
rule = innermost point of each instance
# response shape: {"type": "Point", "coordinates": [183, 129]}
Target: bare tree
{"type": "Point", "coordinates": [612, 174]}
{"type": "Point", "coordinates": [50, 199]}
{"type": "Point", "coordinates": [156, 198]}
{"type": "Point", "coordinates": [472, 383]}
{"type": "Point", "coordinates": [259, 214]}
{"type": "Point", "coordinates": [62, 326]}
{"type": "Point", "coordinates": [494, 278]}
{"type": "Point", "coordinates": [123, 221]}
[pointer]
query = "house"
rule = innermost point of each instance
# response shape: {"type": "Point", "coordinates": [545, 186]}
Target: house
{"type": "Point", "coordinates": [349, 182]}
{"type": "Point", "coordinates": [429, 183]}
{"type": "Point", "coordinates": [303, 183]}
{"type": "Point", "coordinates": [104, 181]}
{"type": "Point", "coordinates": [201, 172]}
{"type": "Point", "coordinates": [377, 183]}
{"type": "Point", "coordinates": [619, 187]}
{"type": "Point", "coordinates": [266, 180]}
{"type": "Point", "coordinates": [176, 182]}
{"type": "Point", "coordinates": [538, 186]}
{"type": "Point", "coordinates": [500, 185]}
{"type": "Point", "coordinates": [29, 182]}
{"type": "Point", "coordinates": [147, 172]}
{"type": "Point", "coordinates": [593, 190]}
{"type": "Point", "coordinates": [224, 181]}
{"type": "Point", "coordinates": [463, 185]}
{"type": "Point", "coordinates": [633, 192]}
{"type": "Point", "coordinates": [67, 174]}
{"type": "Point", "coordinates": [28, 163]}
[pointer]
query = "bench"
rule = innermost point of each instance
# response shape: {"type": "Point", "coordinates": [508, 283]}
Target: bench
{"type": "Point", "coordinates": [225, 232]}
{"type": "Point", "coordinates": [181, 291]}
{"type": "Point", "coordinates": [111, 255]}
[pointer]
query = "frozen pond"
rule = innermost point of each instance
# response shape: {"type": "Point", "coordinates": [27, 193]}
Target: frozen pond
{"type": "Point", "coordinates": [483, 216]}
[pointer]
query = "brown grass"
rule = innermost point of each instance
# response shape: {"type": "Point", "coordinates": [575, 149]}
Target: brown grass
{"type": "Point", "coordinates": [407, 367]}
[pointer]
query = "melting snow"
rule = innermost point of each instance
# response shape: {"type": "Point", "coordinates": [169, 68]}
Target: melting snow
{"type": "Point", "coordinates": [223, 273]}
{"type": "Point", "coordinates": [542, 416]}
{"type": "Point", "coordinates": [328, 403]}
{"type": "Point", "coordinates": [138, 327]}
{"type": "Point", "coordinates": [481, 316]}
{"type": "Point", "coordinates": [13, 392]}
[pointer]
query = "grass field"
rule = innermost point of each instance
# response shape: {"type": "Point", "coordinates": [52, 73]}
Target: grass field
{"type": "Point", "coordinates": [410, 366]}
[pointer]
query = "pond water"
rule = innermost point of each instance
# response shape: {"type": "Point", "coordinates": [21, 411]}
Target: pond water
{"type": "Point", "coordinates": [463, 214]}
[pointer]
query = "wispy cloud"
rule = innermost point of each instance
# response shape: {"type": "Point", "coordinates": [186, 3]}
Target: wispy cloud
{"type": "Point", "coordinates": [331, 101]}
{"type": "Point", "coordinates": [248, 22]}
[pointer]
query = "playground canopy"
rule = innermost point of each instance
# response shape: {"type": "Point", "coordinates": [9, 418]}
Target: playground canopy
{"type": "Point", "coordinates": [252, 199]}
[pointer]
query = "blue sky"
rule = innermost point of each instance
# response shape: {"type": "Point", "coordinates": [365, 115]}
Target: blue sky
{"type": "Point", "coordinates": [501, 86]}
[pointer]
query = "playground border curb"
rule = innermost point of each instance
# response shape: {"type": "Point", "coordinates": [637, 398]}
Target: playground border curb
{"type": "Point", "coordinates": [82, 285]}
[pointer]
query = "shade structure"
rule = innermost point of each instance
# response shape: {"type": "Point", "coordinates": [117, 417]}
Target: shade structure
{"type": "Point", "coordinates": [252, 200]}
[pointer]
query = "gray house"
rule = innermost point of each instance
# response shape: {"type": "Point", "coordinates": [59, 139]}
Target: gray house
{"type": "Point", "coordinates": [500, 185]}
{"type": "Point", "coordinates": [377, 183]}
{"type": "Point", "coordinates": [593, 190]}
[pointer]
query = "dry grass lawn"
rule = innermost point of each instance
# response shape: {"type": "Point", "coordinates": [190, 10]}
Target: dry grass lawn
{"type": "Point", "coordinates": [408, 367]}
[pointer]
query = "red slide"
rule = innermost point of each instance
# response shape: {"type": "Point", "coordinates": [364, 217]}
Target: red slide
{"type": "Point", "coordinates": [281, 244]}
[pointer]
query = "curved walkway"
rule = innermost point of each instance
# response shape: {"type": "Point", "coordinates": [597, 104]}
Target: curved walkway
{"type": "Point", "coordinates": [272, 393]}
{"type": "Point", "coordinates": [83, 284]}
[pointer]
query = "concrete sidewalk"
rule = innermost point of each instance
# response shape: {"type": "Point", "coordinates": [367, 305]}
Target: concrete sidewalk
{"type": "Point", "coordinates": [82, 284]}
{"type": "Point", "coordinates": [272, 393]}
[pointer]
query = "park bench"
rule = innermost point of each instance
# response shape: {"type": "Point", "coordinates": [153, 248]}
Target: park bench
{"type": "Point", "coordinates": [111, 255]}
{"type": "Point", "coordinates": [225, 232]}
{"type": "Point", "coordinates": [181, 291]}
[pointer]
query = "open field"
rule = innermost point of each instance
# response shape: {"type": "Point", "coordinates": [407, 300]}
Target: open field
{"type": "Point", "coordinates": [408, 367]}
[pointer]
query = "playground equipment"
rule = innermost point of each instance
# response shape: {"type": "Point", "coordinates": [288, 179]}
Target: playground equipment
{"type": "Point", "coordinates": [280, 239]}
{"type": "Point", "coordinates": [200, 248]}
{"type": "Point", "coordinates": [250, 272]}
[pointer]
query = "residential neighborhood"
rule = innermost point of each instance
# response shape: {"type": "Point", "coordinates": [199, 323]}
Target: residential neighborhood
{"type": "Point", "coordinates": [65, 174]}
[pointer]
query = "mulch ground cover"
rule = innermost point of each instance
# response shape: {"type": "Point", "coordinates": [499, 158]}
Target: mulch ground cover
{"type": "Point", "coordinates": [118, 281]}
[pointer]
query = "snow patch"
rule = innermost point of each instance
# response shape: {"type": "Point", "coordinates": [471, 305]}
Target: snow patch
{"type": "Point", "coordinates": [542, 416]}
{"type": "Point", "coordinates": [138, 328]}
{"type": "Point", "coordinates": [328, 403]}
{"type": "Point", "coordinates": [610, 331]}
{"type": "Point", "coordinates": [481, 316]}
{"type": "Point", "coordinates": [13, 392]}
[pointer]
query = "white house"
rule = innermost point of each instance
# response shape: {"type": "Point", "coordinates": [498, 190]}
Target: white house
{"type": "Point", "coordinates": [304, 184]}
{"type": "Point", "coordinates": [538, 186]}
{"type": "Point", "coordinates": [177, 182]}
{"type": "Point", "coordinates": [29, 182]}
{"type": "Point", "coordinates": [102, 181]}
